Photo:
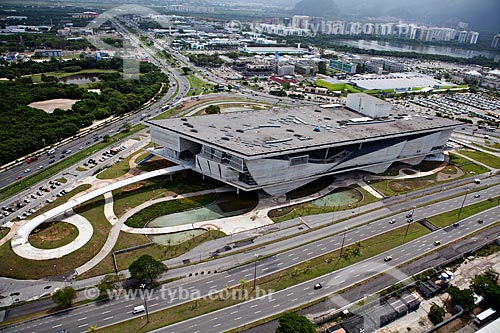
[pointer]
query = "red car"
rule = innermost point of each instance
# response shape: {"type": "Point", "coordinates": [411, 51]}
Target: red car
{"type": "Point", "coordinates": [19, 177]}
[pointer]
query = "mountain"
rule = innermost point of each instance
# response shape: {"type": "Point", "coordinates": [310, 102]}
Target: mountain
{"type": "Point", "coordinates": [480, 14]}
{"type": "Point", "coordinates": [324, 8]}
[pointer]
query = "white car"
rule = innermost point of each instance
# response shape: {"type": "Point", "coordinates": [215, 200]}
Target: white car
{"type": "Point", "coordinates": [27, 170]}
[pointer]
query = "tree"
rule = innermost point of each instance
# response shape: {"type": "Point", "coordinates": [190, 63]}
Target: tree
{"type": "Point", "coordinates": [464, 298]}
{"type": "Point", "coordinates": [242, 284]}
{"type": "Point", "coordinates": [436, 314]}
{"type": "Point", "coordinates": [212, 109]}
{"type": "Point", "coordinates": [146, 267]}
{"type": "Point", "coordinates": [322, 67]}
{"type": "Point", "coordinates": [64, 297]}
{"type": "Point", "coordinates": [108, 284]}
{"type": "Point", "coordinates": [285, 85]}
{"type": "Point", "coordinates": [291, 322]}
{"type": "Point", "coordinates": [486, 286]}
{"type": "Point", "coordinates": [92, 328]}
{"type": "Point", "coordinates": [186, 70]}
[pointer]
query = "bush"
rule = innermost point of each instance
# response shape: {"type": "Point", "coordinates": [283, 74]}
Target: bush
{"type": "Point", "coordinates": [72, 69]}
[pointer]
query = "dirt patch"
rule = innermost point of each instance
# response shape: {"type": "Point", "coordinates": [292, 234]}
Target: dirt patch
{"type": "Point", "coordinates": [447, 174]}
{"type": "Point", "coordinates": [50, 105]}
{"type": "Point", "coordinates": [408, 171]}
{"type": "Point", "coordinates": [408, 185]}
{"type": "Point", "coordinates": [132, 187]}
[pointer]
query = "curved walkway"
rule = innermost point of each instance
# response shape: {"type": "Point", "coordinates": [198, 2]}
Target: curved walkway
{"type": "Point", "coordinates": [20, 244]}
{"type": "Point", "coordinates": [85, 232]}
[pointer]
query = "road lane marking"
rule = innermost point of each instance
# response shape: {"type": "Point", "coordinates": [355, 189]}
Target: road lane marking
{"type": "Point", "coordinates": [257, 311]}
{"type": "Point", "coordinates": [234, 312]}
{"type": "Point", "coordinates": [290, 294]}
{"type": "Point", "coordinates": [230, 280]}
{"type": "Point", "coordinates": [108, 318]}
{"type": "Point", "coordinates": [104, 312]}
{"type": "Point", "coordinates": [217, 325]}
{"type": "Point", "coordinates": [155, 304]}
{"type": "Point", "coordinates": [238, 318]}
{"type": "Point", "coordinates": [80, 326]}
{"type": "Point", "coordinates": [81, 319]}
{"type": "Point", "coordinates": [275, 306]}
{"type": "Point", "coordinates": [293, 300]}
{"type": "Point", "coordinates": [59, 325]}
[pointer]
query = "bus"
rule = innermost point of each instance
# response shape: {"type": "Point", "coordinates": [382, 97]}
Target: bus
{"type": "Point", "coordinates": [484, 316]}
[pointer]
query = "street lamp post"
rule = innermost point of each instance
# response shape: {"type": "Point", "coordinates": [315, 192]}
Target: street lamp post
{"type": "Point", "coordinates": [255, 271]}
{"type": "Point", "coordinates": [343, 240]}
{"type": "Point", "coordinates": [463, 202]}
{"type": "Point", "coordinates": [407, 228]}
{"type": "Point", "coordinates": [143, 286]}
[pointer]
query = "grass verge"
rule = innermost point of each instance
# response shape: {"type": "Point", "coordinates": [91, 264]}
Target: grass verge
{"type": "Point", "coordinates": [51, 235]}
{"type": "Point", "coordinates": [485, 158]}
{"type": "Point", "coordinates": [448, 218]}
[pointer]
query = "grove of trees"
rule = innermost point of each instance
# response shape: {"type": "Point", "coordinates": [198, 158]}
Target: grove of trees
{"type": "Point", "coordinates": [290, 322]}
{"type": "Point", "coordinates": [24, 130]}
{"type": "Point", "coordinates": [64, 297]}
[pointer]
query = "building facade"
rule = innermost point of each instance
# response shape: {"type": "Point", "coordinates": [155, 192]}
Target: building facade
{"type": "Point", "coordinates": [280, 150]}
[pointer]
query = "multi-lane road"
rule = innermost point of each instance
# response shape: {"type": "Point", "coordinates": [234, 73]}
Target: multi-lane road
{"type": "Point", "coordinates": [119, 310]}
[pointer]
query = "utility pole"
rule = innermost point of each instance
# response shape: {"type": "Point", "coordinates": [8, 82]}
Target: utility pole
{"type": "Point", "coordinates": [143, 286]}
{"type": "Point", "coordinates": [343, 240]}
{"type": "Point", "coordinates": [462, 206]}
{"type": "Point", "coordinates": [255, 271]}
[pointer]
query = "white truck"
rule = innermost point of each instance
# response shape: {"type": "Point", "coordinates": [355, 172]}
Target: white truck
{"type": "Point", "coordinates": [138, 309]}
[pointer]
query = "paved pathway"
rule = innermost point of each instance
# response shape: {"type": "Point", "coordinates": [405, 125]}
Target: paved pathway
{"type": "Point", "coordinates": [85, 232]}
{"type": "Point", "coordinates": [20, 244]}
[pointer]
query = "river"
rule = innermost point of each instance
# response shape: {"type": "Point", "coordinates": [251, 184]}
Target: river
{"type": "Point", "coordinates": [424, 49]}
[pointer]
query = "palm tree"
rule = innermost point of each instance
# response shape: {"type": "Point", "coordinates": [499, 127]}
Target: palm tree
{"type": "Point", "coordinates": [92, 329]}
{"type": "Point", "coordinates": [242, 284]}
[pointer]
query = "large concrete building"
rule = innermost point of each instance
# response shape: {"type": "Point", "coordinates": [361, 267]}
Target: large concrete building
{"type": "Point", "coordinates": [279, 150]}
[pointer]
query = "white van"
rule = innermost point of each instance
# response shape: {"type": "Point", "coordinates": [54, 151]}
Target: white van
{"type": "Point", "coordinates": [138, 309]}
{"type": "Point", "coordinates": [477, 181]}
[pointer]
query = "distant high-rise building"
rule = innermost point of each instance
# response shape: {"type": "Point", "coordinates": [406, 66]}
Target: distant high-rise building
{"type": "Point", "coordinates": [301, 22]}
{"type": "Point", "coordinates": [472, 37]}
{"type": "Point", "coordinates": [286, 21]}
{"type": "Point", "coordinates": [462, 36]}
{"type": "Point", "coordinates": [316, 24]}
{"type": "Point", "coordinates": [496, 41]}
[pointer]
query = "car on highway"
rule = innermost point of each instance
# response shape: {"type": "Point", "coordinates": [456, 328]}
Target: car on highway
{"type": "Point", "coordinates": [39, 167]}
{"type": "Point", "coordinates": [318, 286]}
{"type": "Point", "coordinates": [477, 195]}
{"type": "Point", "coordinates": [138, 309]}
{"type": "Point", "coordinates": [27, 200]}
{"type": "Point", "coordinates": [48, 201]}
{"type": "Point", "coordinates": [410, 220]}
{"type": "Point", "coordinates": [480, 221]}
{"type": "Point", "coordinates": [392, 221]}
{"type": "Point", "coordinates": [388, 258]}
{"type": "Point", "coordinates": [456, 224]}
{"type": "Point", "coordinates": [409, 215]}
{"type": "Point", "coordinates": [62, 331]}
{"type": "Point", "coordinates": [436, 243]}
{"type": "Point", "coordinates": [19, 177]}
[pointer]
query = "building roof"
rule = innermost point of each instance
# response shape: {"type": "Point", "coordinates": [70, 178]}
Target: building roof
{"type": "Point", "coordinates": [253, 134]}
{"type": "Point", "coordinates": [392, 81]}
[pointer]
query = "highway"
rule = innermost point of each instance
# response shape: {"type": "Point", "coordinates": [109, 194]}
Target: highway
{"type": "Point", "coordinates": [119, 310]}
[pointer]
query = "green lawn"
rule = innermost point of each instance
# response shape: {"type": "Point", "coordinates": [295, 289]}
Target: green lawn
{"type": "Point", "coordinates": [116, 170]}
{"type": "Point", "coordinates": [51, 235]}
{"type": "Point", "coordinates": [485, 158]}
{"type": "Point", "coordinates": [157, 251]}
{"type": "Point", "coordinates": [197, 85]}
{"type": "Point", "coordinates": [448, 218]}
{"type": "Point", "coordinates": [37, 78]}
{"type": "Point", "coordinates": [154, 188]}
{"type": "Point", "coordinates": [468, 167]}
{"type": "Point", "coordinates": [337, 86]}
{"type": "Point", "coordinates": [139, 219]}
{"type": "Point", "coordinates": [290, 212]}
{"type": "Point", "coordinates": [21, 268]}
